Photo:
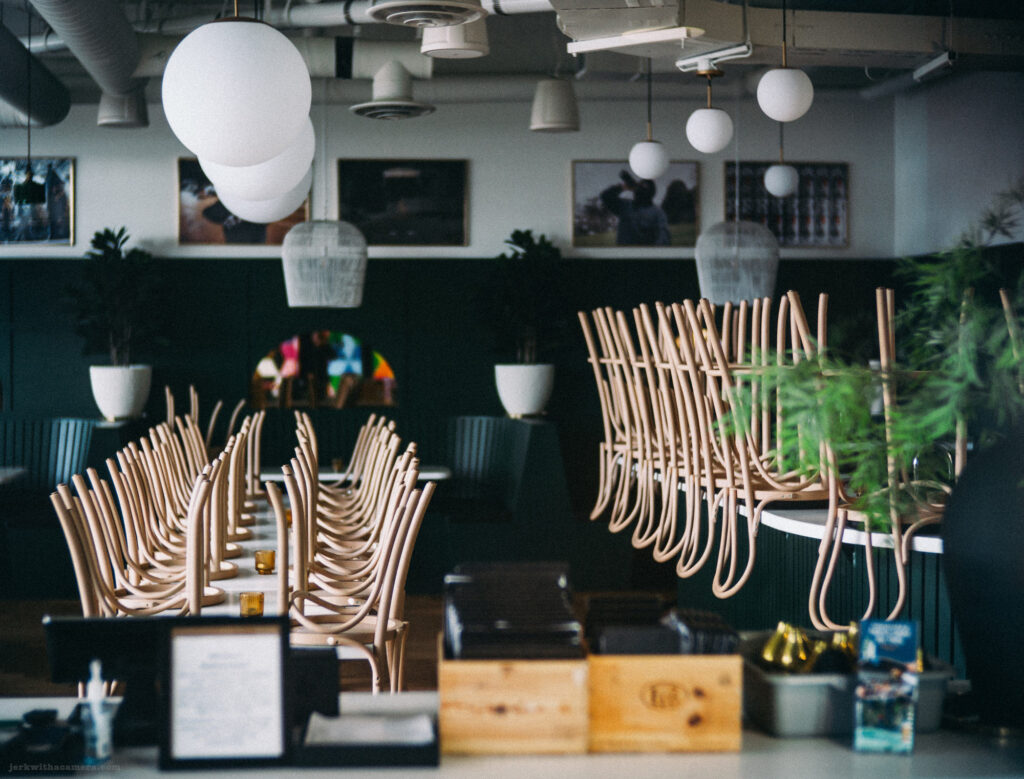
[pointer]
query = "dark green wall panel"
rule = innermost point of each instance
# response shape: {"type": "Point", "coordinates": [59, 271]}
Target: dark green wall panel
{"type": "Point", "coordinates": [421, 314]}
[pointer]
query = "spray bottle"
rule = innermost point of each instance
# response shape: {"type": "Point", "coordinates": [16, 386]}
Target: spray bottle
{"type": "Point", "coordinates": [96, 719]}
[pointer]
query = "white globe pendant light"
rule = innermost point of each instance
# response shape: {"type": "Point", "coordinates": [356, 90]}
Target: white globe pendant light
{"type": "Point", "coordinates": [648, 159]}
{"type": "Point", "coordinates": [236, 92]}
{"type": "Point", "coordinates": [781, 180]}
{"type": "Point", "coordinates": [709, 130]}
{"type": "Point", "coordinates": [785, 94]}
{"type": "Point", "coordinates": [266, 211]}
{"type": "Point", "coordinates": [268, 179]}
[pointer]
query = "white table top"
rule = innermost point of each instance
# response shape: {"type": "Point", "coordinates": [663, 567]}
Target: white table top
{"type": "Point", "coordinates": [810, 523]}
{"type": "Point", "coordinates": [427, 473]}
{"type": "Point", "coordinates": [943, 753]}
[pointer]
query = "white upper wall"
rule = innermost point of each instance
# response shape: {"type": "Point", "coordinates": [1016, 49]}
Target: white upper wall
{"type": "Point", "coordinates": [520, 179]}
{"type": "Point", "coordinates": [958, 142]}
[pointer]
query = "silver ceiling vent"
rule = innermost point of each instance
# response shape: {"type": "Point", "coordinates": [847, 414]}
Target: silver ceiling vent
{"type": "Point", "coordinates": [426, 13]}
{"type": "Point", "coordinates": [392, 96]}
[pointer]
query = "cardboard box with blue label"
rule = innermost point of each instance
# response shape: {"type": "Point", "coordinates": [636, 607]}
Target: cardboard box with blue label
{"type": "Point", "coordinates": [887, 687]}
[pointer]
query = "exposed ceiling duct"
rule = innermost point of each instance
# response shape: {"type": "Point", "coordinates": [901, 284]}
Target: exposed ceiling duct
{"type": "Point", "coordinates": [101, 38]}
{"type": "Point", "coordinates": [836, 45]}
{"type": "Point", "coordinates": [49, 99]}
{"type": "Point", "coordinates": [346, 58]}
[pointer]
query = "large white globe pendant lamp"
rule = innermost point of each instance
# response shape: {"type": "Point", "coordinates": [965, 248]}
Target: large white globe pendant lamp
{"type": "Point", "coordinates": [236, 91]}
{"type": "Point", "coordinates": [781, 180]}
{"type": "Point", "coordinates": [266, 211]}
{"type": "Point", "coordinates": [268, 179]}
{"type": "Point", "coordinates": [648, 159]}
{"type": "Point", "coordinates": [785, 94]}
{"type": "Point", "coordinates": [709, 130]}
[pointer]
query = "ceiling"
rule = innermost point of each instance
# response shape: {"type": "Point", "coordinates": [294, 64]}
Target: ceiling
{"type": "Point", "coordinates": [842, 44]}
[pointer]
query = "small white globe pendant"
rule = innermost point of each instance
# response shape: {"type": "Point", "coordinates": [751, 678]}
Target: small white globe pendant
{"type": "Point", "coordinates": [785, 94]}
{"type": "Point", "coordinates": [781, 180]}
{"type": "Point", "coordinates": [648, 159]}
{"type": "Point", "coordinates": [709, 130]}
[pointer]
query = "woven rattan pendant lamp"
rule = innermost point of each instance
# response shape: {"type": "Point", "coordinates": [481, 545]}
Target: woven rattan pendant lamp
{"type": "Point", "coordinates": [324, 260]}
{"type": "Point", "coordinates": [324, 265]}
{"type": "Point", "coordinates": [736, 260]}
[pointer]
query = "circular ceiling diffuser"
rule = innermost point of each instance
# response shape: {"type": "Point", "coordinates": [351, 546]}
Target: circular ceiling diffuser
{"type": "Point", "coordinates": [392, 109]}
{"type": "Point", "coordinates": [426, 13]}
{"type": "Point", "coordinates": [392, 96]}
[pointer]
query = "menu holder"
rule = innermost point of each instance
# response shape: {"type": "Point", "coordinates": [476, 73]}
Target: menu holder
{"type": "Point", "coordinates": [225, 694]}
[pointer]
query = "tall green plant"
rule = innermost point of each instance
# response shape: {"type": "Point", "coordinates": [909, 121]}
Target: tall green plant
{"type": "Point", "coordinates": [960, 372]}
{"type": "Point", "coordinates": [114, 302]}
{"type": "Point", "coordinates": [526, 303]}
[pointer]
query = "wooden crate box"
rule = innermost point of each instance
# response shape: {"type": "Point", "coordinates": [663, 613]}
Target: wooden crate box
{"type": "Point", "coordinates": [490, 707]}
{"type": "Point", "coordinates": [665, 703]}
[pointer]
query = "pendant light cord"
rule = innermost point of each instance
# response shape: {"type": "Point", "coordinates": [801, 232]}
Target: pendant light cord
{"type": "Point", "coordinates": [784, 64]}
{"type": "Point", "coordinates": [781, 126]}
{"type": "Point", "coordinates": [649, 122]}
{"type": "Point", "coordinates": [28, 94]}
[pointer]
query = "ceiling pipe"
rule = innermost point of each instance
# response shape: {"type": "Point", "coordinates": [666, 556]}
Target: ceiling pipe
{"type": "Point", "coordinates": [325, 57]}
{"type": "Point", "coordinates": [346, 14]}
{"type": "Point", "coordinates": [103, 41]}
{"type": "Point", "coordinates": [505, 89]}
{"type": "Point", "coordinates": [50, 99]}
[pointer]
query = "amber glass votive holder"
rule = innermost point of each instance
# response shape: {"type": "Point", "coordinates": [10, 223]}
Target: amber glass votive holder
{"type": "Point", "coordinates": [250, 604]}
{"type": "Point", "coordinates": [265, 561]}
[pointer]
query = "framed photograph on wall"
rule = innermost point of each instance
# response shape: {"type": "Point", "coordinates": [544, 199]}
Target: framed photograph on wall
{"type": "Point", "coordinates": [817, 215]}
{"type": "Point", "coordinates": [405, 202]}
{"type": "Point", "coordinates": [612, 207]}
{"type": "Point", "coordinates": [37, 207]}
{"type": "Point", "coordinates": [203, 219]}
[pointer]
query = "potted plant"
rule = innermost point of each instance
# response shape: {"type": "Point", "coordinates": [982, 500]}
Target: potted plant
{"type": "Point", "coordinates": [959, 378]}
{"type": "Point", "coordinates": [114, 309]}
{"type": "Point", "coordinates": [525, 306]}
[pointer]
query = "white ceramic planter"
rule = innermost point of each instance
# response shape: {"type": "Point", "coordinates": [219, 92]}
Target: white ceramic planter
{"type": "Point", "coordinates": [524, 390]}
{"type": "Point", "coordinates": [120, 391]}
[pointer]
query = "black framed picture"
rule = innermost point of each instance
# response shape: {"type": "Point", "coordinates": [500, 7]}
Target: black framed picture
{"type": "Point", "coordinates": [37, 206]}
{"type": "Point", "coordinates": [816, 215]}
{"type": "Point", "coordinates": [405, 202]}
{"type": "Point", "coordinates": [613, 207]}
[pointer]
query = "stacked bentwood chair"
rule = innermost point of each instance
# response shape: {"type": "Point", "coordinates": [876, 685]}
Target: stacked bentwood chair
{"type": "Point", "coordinates": [345, 555]}
{"type": "Point", "coordinates": [670, 386]}
{"type": "Point", "coordinates": [150, 540]}
{"type": "Point", "coordinates": [688, 406]}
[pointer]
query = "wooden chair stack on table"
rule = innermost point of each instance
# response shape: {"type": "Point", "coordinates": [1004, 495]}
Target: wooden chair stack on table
{"type": "Point", "coordinates": [903, 526]}
{"type": "Point", "coordinates": [349, 550]}
{"type": "Point", "coordinates": [153, 538]}
{"type": "Point", "coordinates": [110, 583]}
{"type": "Point", "coordinates": [683, 409]}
